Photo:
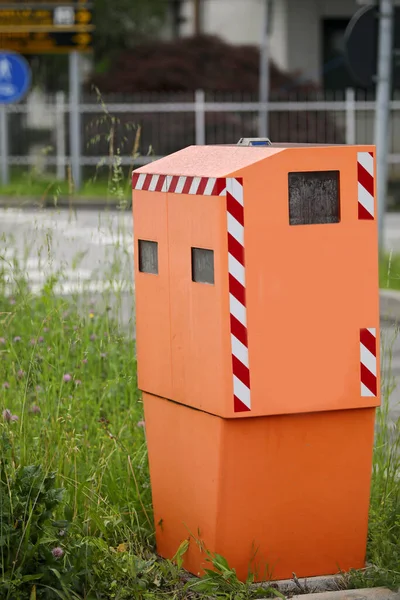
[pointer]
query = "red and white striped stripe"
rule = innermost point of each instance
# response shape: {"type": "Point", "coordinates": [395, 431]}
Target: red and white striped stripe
{"type": "Point", "coordinates": [368, 362]}
{"type": "Point", "coordinates": [365, 180]}
{"type": "Point", "coordinates": [233, 189]}
{"type": "Point", "coordinates": [175, 184]}
{"type": "Point", "coordinates": [237, 295]}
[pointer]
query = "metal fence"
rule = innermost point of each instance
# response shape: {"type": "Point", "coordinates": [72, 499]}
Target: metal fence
{"type": "Point", "coordinates": [153, 125]}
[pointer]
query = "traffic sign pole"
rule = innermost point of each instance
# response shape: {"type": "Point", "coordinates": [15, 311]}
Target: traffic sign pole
{"type": "Point", "coordinates": [382, 112]}
{"type": "Point", "coordinates": [75, 118]}
{"type": "Point", "coordinates": [5, 178]}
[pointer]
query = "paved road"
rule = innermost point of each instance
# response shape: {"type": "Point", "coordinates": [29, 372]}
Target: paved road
{"type": "Point", "coordinates": [95, 251]}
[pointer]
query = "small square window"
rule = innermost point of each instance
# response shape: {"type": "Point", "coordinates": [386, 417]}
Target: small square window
{"type": "Point", "coordinates": [314, 197]}
{"type": "Point", "coordinates": [202, 265]}
{"type": "Point", "coordinates": [148, 257]}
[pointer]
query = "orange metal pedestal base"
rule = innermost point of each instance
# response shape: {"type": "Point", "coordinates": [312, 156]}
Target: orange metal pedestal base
{"type": "Point", "coordinates": [274, 495]}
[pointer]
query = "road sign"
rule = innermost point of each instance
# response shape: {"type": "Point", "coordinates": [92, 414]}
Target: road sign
{"type": "Point", "coordinates": [15, 77]}
{"type": "Point", "coordinates": [361, 46]}
{"type": "Point", "coordinates": [56, 18]}
{"type": "Point", "coordinates": [47, 42]}
{"type": "Point", "coordinates": [46, 27]}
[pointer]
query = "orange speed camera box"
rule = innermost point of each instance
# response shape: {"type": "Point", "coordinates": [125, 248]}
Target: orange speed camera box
{"type": "Point", "coordinates": [256, 279]}
{"type": "Point", "coordinates": [256, 274]}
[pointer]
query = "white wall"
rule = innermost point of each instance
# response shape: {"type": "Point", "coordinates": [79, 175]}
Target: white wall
{"type": "Point", "coordinates": [305, 32]}
{"type": "Point", "coordinates": [296, 39]}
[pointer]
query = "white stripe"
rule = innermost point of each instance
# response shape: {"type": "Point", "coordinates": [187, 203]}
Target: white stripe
{"type": "Point", "coordinates": [367, 161]}
{"type": "Point", "coordinates": [164, 187]}
{"type": "Point", "coordinates": [365, 198]}
{"type": "Point", "coordinates": [236, 229]}
{"type": "Point", "coordinates": [153, 183]}
{"type": "Point", "coordinates": [365, 392]}
{"type": "Point", "coordinates": [195, 185]}
{"type": "Point", "coordinates": [140, 181]}
{"type": "Point", "coordinates": [180, 184]}
{"type": "Point", "coordinates": [235, 189]}
{"type": "Point", "coordinates": [241, 391]}
{"type": "Point", "coordinates": [368, 359]}
{"type": "Point", "coordinates": [237, 310]}
{"type": "Point", "coordinates": [372, 331]}
{"type": "Point", "coordinates": [239, 350]}
{"type": "Point", "coordinates": [236, 269]}
{"type": "Point", "coordinates": [210, 186]}
{"type": "Point", "coordinates": [167, 183]}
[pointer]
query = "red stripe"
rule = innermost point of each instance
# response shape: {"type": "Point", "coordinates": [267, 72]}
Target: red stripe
{"type": "Point", "coordinates": [238, 405]}
{"type": "Point", "coordinates": [241, 371]}
{"type": "Point", "coordinates": [363, 214]}
{"type": "Point", "coordinates": [202, 186]}
{"type": "Point", "coordinates": [368, 340]}
{"type": "Point", "coordinates": [234, 208]}
{"type": "Point", "coordinates": [147, 182]}
{"type": "Point", "coordinates": [187, 184]}
{"type": "Point", "coordinates": [236, 249]}
{"type": "Point", "coordinates": [365, 178]}
{"type": "Point", "coordinates": [160, 183]}
{"type": "Point", "coordinates": [371, 154]}
{"type": "Point", "coordinates": [173, 184]}
{"type": "Point", "coordinates": [368, 379]}
{"type": "Point", "coordinates": [237, 290]}
{"type": "Point", "coordinates": [239, 330]}
{"type": "Point", "coordinates": [135, 177]}
{"type": "Point", "coordinates": [219, 186]}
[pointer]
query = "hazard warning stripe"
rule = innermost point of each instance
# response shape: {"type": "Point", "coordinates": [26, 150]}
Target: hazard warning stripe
{"type": "Point", "coordinates": [237, 294]}
{"type": "Point", "coordinates": [175, 184]}
{"type": "Point", "coordinates": [365, 182]}
{"type": "Point", "coordinates": [368, 362]}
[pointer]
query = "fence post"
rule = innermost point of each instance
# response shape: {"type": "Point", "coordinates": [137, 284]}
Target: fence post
{"type": "Point", "coordinates": [5, 174]}
{"type": "Point", "coordinates": [60, 135]}
{"type": "Point", "coordinates": [75, 118]}
{"type": "Point", "coordinates": [350, 116]}
{"type": "Point", "coordinates": [200, 117]}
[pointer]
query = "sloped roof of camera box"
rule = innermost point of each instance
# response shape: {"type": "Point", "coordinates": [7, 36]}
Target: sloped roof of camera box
{"type": "Point", "coordinates": [209, 161]}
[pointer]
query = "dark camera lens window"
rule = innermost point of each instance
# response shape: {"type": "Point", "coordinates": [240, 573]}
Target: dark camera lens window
{"type": "Point", "coordinates": [148, 257]}
{"type": "Point", "coordinates": [314, 197]}
{"type": "Point", "coordinates": [202, 265]}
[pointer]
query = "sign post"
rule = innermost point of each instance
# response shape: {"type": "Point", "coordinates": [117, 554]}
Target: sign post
{"type": "Point", "coordinates": [15, 79]}
{"type": "Point", "coordinates": [372, 46]}
{"type": "Point", "coordinates": [382, 112]}
{"type": "Point", "coordinates": [75, 119]}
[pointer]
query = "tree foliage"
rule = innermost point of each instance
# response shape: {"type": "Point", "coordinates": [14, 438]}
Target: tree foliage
{"type": "Point", "coordinates": [120, 24]}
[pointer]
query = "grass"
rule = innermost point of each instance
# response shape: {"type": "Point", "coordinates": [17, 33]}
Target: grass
{"type": "Point", "coordinates": [72, 411]}
{"type": "Point", "coordinates": [31, 184]}
{"type": "Point", "coordinates": [389, 271]}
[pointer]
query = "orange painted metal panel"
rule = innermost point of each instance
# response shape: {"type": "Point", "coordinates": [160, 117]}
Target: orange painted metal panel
{"type": "Point", "coordinates": [153, 326]}
{"type": "Point", "coordinates": [278, 494]}
{"type": "Point", "coordinates": [310, 288]}
{"type": "Point", "coordinates": [201, 360]}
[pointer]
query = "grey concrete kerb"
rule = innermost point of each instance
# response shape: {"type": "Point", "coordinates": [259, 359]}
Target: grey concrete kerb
{"type": "Point", "coordinates": [389, 304]}
{"type": "Point", "coordinates": [363, 594]}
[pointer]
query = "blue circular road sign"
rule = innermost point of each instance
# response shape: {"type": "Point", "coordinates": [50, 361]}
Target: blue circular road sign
{"type": "Point", "coordinates": [15, 77]}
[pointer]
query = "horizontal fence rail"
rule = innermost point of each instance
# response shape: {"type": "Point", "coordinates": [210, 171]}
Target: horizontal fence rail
{"type": "Point", "coordinates": [137, 130]}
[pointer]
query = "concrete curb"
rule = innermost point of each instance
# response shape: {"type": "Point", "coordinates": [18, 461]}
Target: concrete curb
{"type": "Point", "coordinates": [362, 594]}
{"type": "Point", "coordinates": [389, 304]}
{"type": "Point", "coordinates": [306, 586]}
